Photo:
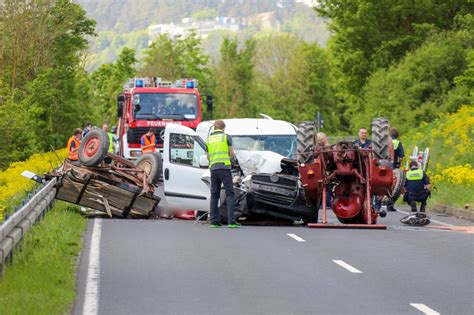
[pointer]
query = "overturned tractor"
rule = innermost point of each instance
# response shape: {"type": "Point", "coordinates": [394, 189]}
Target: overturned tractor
{"type": "Point", "coordinates": [352, 175]}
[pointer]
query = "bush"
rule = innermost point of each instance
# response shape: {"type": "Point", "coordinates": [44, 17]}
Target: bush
{"type": "Point", "coordinates": [14, 187]}
{"type": "Point", "coordinates": [450, 139]}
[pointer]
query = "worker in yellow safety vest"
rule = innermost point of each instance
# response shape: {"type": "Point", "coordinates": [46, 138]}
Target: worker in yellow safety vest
{"type": "Point", "coordinates": [219, 153]}
{"type": "Point", "coordinates": [417, 187]}
{"type": "Point", "coordinates": [105, 127]}
{"type": "Point", "coordinates": [73, 145]}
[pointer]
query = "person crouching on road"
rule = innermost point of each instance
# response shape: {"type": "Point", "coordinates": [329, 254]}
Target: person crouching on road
{"type": "Point", "coordinates": [417, 187]}
{"type": "Point", "coordinates": [219, 153]}
{"type": "Point", "coordinates": [73, 145]}
{"type": "Point", "coordinates": [148, 142]}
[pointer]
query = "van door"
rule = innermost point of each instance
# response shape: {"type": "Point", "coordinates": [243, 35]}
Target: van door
{"type": "Point", "coordinates": [186, 185]}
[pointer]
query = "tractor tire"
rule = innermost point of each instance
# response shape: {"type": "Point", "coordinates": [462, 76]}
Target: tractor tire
{"type": "Point", "coordinates": [94, 147]}
{"type": "Point", "coordinates": [399, 178]}
{"type": "Point", "coordinates": [305, 142]}
{"type": "Point", "coordinates": [152, 164]}
{"type": "Point", "coordinates": [358, 219]}
{"type": "Point", "coordinates": [380, 138]}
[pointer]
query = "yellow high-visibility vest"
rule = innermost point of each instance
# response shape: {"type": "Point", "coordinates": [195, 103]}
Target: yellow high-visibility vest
{"type": "Point", "coordinates": [217, 148]}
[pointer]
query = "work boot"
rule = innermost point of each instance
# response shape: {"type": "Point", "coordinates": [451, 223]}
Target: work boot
{"type": "Point", "coordinates": [413, 206]}
{"type": "Point", "coordinates": [422, 208]}
{"type": "Point", "coordinates": [392, 208]}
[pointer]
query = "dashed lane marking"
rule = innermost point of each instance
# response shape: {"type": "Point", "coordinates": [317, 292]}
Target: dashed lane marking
{"type": "Point", "coordinates": [346, 266]}
{"type": "Point", "coordinates": [296, 237]}
{"type": "Point", "coordinates": [425, 309]}
{"type": "Point", "coordinates": [91, 299]}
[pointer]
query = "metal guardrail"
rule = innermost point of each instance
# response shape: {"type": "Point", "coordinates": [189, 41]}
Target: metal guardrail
{"type": "Point", "coordinates": [17, 225]}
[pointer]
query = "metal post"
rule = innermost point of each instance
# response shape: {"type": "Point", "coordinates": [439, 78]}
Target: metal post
{"type": "Point", "coordinates": [324, 204]}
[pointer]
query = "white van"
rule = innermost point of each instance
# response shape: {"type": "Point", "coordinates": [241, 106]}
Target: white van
{"type": "Point", "coordinates": [186, 185]}
{"type": "Point", "coordinates": [253, 134]}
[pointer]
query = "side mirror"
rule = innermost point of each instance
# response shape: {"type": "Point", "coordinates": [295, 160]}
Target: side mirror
{"type": "Point", "coordinates": [209, 103]}
{"type": "Point", "coordinates": [136, 109]}
{"type": "Point", "coordinates": [203, 161]}
{"type": "Point", "coordinates": [136, 99]}
{"type": "Point", "coordinates": [120, 102]}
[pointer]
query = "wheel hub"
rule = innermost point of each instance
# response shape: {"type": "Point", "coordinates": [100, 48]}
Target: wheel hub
{"type": "Point", "coordinates": [92, 146]}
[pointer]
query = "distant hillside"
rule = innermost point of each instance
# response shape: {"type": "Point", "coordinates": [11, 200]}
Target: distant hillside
{"type": "Point", "coordinates": [124, 22]}
{"type": "Point", "coordinates": [124, 16]}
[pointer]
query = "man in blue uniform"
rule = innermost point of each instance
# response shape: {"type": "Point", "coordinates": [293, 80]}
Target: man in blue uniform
{"type": "Point", "coordinates": [363, 141]}
{"type": "Point", "coordinates": [417, 187]}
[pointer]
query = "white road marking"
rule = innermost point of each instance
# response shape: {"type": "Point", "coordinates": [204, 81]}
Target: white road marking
{"type": "Point", "coordinates": [347, 266]}
{"type": "Point", "coordinates": [432, 220]}
{"type": "Point", "coordinates": [91, 299]}
{"type": "Point", "coordinates": [425, 309]}
{"type": "Point", "coordinates": [296, 237]}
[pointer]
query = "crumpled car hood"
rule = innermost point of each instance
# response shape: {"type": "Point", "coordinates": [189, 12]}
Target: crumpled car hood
{"type": "Point", "coordinates": [254, 162]}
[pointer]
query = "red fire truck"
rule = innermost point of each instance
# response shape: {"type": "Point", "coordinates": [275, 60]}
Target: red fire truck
{"type": "Point", "coordinates": [151, 103]}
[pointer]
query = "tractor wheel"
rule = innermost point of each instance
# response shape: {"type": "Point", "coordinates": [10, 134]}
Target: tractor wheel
{"type": "Point", "coordinates": [305, 142]}
{"type": "Point", "coordinates": [399, 178]}
{"type": "Point", "coordinates": [313, 218]}
{"type": "Point", "coordinates": [380, 138]}
{"type": "Point", "coordinates": [94, 147]}
{"type": "Point", "coordinates": [358, 219]}
{"type": "Point", "coordinates": [152, 164]}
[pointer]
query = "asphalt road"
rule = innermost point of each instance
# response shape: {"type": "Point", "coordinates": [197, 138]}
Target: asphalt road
{"type": "Point", "coordinates": [178, 267]}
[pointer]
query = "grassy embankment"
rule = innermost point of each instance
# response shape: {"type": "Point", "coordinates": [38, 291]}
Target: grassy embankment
{"type": "Point", "coordinates": [42, 278]}
{"type": "Point", "coordinates": [451, 142]}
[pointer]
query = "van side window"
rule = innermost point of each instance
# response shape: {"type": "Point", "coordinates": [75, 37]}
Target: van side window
{"type": "Point", "coordinates": [186, 149]}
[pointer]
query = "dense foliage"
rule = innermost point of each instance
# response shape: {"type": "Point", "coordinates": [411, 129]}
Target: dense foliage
{"type": "Point", "coordinates": [450, 138]}
{"type": "Point", "coordinates": [42, 92]}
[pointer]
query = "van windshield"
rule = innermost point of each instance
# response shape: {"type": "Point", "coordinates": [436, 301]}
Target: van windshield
{"type": "Point", "coordinates": [281, 144]}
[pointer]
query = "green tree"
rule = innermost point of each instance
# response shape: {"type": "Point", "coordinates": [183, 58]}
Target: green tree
{"type": "Point", "coordinates": [234, 77]}
{"type": "Point", "coordinates": [175, 58]}
{"type": "Point", "coordinates": [39, 62]}
{"type": "Point", "coordinates": [417, 88]}
{"type": "Point", "coordinates": [107, 82]}
{"type": "Point", "coordinates": [374, 34]}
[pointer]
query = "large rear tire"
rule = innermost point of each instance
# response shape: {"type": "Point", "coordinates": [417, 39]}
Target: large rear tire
{"type": "Point", "coordinates": [358, 219]}
{"type": "Point", "coordinates": [152, 164]}
{"type": "Point", "coordinates": [94, 147]}
{"type": "Point", "coordinates": [399, 178]}
{"type": "Point", "coordinates": [305, 142]}
{"type": "Point", "coordinates": [380, 138]}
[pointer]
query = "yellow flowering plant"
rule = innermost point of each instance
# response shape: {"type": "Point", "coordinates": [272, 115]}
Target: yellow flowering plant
{"type": "Point", "coordinates": [13, 186]}
{"type": "Point", "coordinates": [451, 142]}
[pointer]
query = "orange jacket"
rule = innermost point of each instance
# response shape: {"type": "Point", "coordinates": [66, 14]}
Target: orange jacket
{"type": "Point", "coordinates": [148, 144]}
{"type": "Point", "coordinates": [73, 148]}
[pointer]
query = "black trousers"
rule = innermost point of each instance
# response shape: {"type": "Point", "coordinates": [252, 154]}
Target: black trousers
{"type": "Point", "coordinates": [219, 178]}
{"type": "Point", "coordinates": [418, 196]}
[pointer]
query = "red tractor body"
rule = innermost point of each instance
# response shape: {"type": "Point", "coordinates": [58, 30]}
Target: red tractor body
{"type": "Point", "coordinates": [353, 174]}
